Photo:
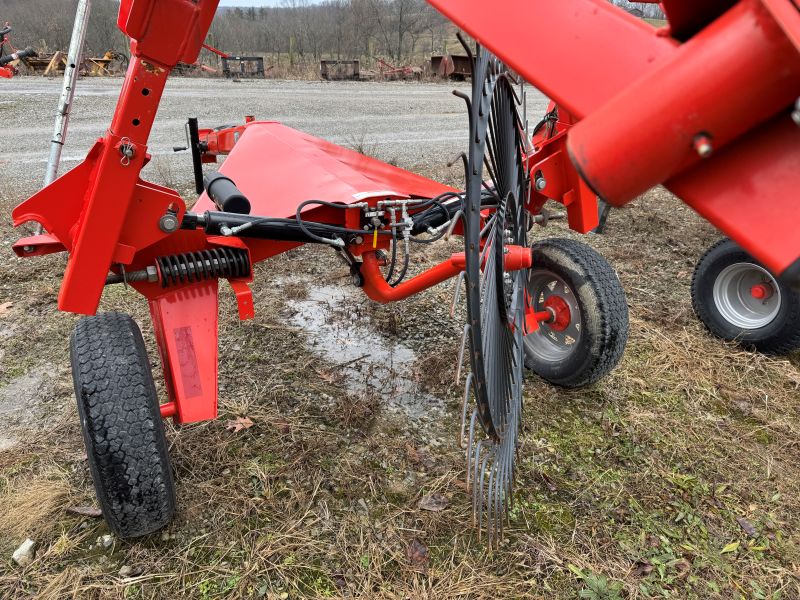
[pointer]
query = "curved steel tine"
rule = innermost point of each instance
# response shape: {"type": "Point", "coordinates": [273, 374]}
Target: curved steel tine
{"type": "Point", "coordinates": [488, 224]}
{"type": "Point", "coordinates": [465, 45]}
{"type": "Point", "coordinates": [456, 294]}
{"type": "Point", "coordinates": [478, 492]}
{"type": "Point", "coordinates": [470, 441]}
{"type": "Point", "coordinates": [464, 97]}
{"type": "Point", "coordinates": [475, 490]}
{"type": "Point", "coordinates": [461, 352]}
{"type": "Point", "coordinates": [464, 410]}
{"type": "Point", "coordinates": [499, 494]}
{"type": "Point", "coordinates": [452, 226]}
{"type": "Point", "coordinates": [490, 497]}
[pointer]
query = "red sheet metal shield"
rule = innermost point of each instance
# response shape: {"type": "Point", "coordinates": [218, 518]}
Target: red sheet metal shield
{"type": "Point", "coordinates": [278, 167]}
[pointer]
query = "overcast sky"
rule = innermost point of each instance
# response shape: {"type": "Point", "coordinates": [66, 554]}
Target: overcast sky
{"type": "Point", "coordinates": [250, 2]}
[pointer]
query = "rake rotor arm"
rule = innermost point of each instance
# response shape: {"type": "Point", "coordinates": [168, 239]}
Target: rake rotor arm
{"type": "Point", "coordinates": [652, 110]}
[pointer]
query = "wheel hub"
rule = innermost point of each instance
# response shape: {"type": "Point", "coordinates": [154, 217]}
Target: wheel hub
{"type": "Point", "coordinates": [556, 337]}
{"type": "Point", "coordinates": [747, 296]}
{"type": "Point", "coordinates": [761, 291]}
{"type": "Point", "coordinates": [559, 308]}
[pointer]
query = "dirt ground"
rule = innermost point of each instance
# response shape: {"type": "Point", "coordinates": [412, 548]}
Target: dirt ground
{"type": "Point", "coordinates": [677, 476]}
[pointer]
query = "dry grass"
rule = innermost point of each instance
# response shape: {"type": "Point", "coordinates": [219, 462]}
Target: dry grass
{"type": "Point", "coordinates": [631, 489]}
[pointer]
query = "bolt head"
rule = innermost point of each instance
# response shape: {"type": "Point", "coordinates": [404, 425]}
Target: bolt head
{"type": "Point", "coordinates": [702, 145]}
{"type": "Point", "coordinates": [168, 223]}
{"type": "Point", "coordinates": [28, 249]}
{"type": "Point", "coordinates": [541, 183]}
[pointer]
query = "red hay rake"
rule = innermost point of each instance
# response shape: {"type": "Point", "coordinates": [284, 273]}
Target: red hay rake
{"type": "Point", "coordinates": [705, 106]}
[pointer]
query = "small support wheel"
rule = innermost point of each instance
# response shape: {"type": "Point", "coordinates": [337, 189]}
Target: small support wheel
{"type": "Point", "coordinates": [585, 336]}
{"type": "Point", "coordinates": [737, 299]}
{"type": "Point", "coordinates": [121, 423]}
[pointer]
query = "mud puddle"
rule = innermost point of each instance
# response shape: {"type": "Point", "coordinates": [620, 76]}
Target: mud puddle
{"type": "Point", "coordinates": [20, 402]}
{"type": "Point", "coordinates": [371, 362]}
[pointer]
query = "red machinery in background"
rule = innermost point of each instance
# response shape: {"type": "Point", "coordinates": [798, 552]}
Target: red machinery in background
{"type": "Point", "coordinates": [7, 71]}
{"type": "Point", "coordinates": [638, 107]}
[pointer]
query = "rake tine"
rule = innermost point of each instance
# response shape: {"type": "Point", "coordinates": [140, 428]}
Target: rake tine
{"type": "Point", "coordinates": [465, 45]}
{"type": "Point", "coordinates": [461, 352]}
{"type": "Point", "coordinates": [456, 297]}
{"type": "Point", "coordinates": [469, 444]}
{"type": "Point", "coordinates": [490, 497]}
{"type": "Point", "coordinates": [496, 490]}
{"type": "Point", "coordinates": [453, 222]}
{"type": "Point", "coordinates": [464, 411]}
{"type": "Point", "coordinates": [478, 492]}
{"type": "Point", "coordinates": [475, 489]}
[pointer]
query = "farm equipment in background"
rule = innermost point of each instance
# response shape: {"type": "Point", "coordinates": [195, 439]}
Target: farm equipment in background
{"type": "Point", "coordinates": [739, 300]}
{"type": "Point", "coordinates": [336, 70]}
{"type": "Point", "coordinates": [722, 139]}
{"type": "Point", "coordinates": [239, 67]}
{"type": "Point", "coordinates": [7, 69]}
{"type": "Point", "coordinates": [391, 72]}
{"type": "Point", "coordinates": [452, 66]}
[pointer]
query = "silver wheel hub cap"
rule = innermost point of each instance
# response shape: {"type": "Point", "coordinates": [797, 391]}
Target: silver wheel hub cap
{"type": "Point", "coordinates": [738, 304]}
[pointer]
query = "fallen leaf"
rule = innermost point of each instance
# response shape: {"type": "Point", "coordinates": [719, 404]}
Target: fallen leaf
{"type": "Point", "coordinates": [282, 425]}
{"type": "Point", "coordinates": [747, 526]}
{"type": "Point", "coordinates": [682, 567]}
{"type": "Point", "coordinates": [550, 485]}
{"type": "Point", "coordinates": [732, 547]}
{"type": "Point", "coordinates": [417, 555]}
{"type": "Point", "coordinates": [419, 457]}
{"type": "Point", "coordinates": [412, 454]}
{"type": "Point", "coordinates": [5, 307]}
{"type": "Point", "coordinates": [86, 511]}
{"type": "Point", "coordinates": [434, 502]}
{"type": "Point", "coordinates": [642, 568]}
{"type": "Point", "coordinates": [238, 424]}
{"type": "Point", "coordinates": [327, 376]}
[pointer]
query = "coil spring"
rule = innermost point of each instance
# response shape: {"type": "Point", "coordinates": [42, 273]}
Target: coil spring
{"type": "Point", "coordinates": [191, 267]}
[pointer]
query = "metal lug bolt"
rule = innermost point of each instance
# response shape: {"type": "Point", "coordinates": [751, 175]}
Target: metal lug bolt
{"type": "Point", "coordinates": [541, 183]}
{"type": "Point", "coordinates": [169, 222]}
{"type": "Point", "coordinates": [796, 113]}
{"type": "Point", "coordinates": [28, 249]}
{"type": "Point", "coordinates": [358, 239]}
{"type": "Point", "coordinates": [702, 145]}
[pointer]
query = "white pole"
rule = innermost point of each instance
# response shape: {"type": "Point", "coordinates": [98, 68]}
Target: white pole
{"type": "Point", "coordinates": [68, 90]}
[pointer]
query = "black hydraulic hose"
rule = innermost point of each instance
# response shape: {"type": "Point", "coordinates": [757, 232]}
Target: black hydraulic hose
{"type": "Point", "coordinates": [268, 228]}
{"type": "Point", "coordinates": [16, 55]}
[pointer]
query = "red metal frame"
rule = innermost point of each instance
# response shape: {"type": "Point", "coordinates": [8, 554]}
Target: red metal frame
{"type": "Point", "coordinates": [631, 102]}
{"type": "Point", "coordinates": [7, 72]}
{"type": "Point", "coordinates": [642, 96]}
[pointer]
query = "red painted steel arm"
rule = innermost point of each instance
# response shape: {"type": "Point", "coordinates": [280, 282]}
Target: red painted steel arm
{"type": "Point", "coordinates": [580, 53]}
{"type": "Point", "coordinates": [644, 99]}
{"type": "Point", "coordinates": [376, 288]}
{"type": "Point", "coordinates": [88, 209]}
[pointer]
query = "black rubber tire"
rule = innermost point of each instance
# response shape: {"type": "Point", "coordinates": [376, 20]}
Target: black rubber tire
{"type": "Point", "coordinates": [604, 314]}
{"type": "Point", "coordinates": [780, 336]}
{"type": "Point", "coordinates": [121, 424]}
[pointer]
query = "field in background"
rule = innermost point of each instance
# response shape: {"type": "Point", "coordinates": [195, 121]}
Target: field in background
{"type": "Point", "coordinates": [678, 476]}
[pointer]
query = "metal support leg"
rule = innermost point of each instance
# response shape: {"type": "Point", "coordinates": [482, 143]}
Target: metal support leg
{"type": "Point", "coordinates": [67, 92]}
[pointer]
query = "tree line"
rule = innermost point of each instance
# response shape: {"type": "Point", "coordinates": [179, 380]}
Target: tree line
{"type": "Point", "coordinates": [297, 31]}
